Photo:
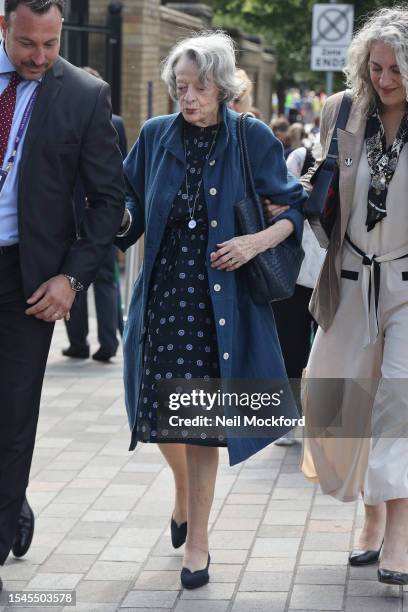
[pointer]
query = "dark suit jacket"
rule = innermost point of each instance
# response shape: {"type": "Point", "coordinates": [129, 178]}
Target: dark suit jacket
{"type": "Point", "coordinates": [70, 132]}
{"type": "Point", "coordinates": [79, 192]}
{"type": "Point", "coordinates": [120, 128]}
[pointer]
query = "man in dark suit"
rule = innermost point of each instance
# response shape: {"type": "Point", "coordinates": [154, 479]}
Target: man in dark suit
{"type": "Point", "coordinates": [55, 122]}
{"type": "Point", "coordinates": [106, 286]}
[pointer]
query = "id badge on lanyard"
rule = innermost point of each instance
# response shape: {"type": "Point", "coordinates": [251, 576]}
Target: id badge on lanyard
{"type": "Point", "coordinates": [4, 173]}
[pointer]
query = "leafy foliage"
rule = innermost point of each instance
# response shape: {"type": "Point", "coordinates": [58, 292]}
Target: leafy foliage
{"type": "Point", "coordinates": [286, 27]}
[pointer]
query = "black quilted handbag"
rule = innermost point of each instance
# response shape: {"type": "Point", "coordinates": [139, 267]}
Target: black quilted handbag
{"type": "Point", "coordinates": [271, 275]}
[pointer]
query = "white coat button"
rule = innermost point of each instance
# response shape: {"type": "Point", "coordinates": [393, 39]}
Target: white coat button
{"type": "Point", "coordinates": [213, 191]}
{"type": "Point", "coordinates": [217, 287]}
{"type": "Point", "coordinates": [222, 322]}
{"type": "Point", "coordinates": [214, 223]}
{"type": "Point", "coordinates": [226, 356]}
{"type": "Point", "coordinates": [212, 162]}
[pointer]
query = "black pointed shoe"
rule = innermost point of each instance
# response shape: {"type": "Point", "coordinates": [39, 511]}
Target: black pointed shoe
{"type": "Point", "coordinates": [25, 531]}
{"type": "Point", "coordinates": [391, 577]}
{"type": "Point", "coordinates": [178, 533]}
{"type": "Point", "coordinates": [364, 557]}
{"type": "Point", "coordinates": [194, 580]}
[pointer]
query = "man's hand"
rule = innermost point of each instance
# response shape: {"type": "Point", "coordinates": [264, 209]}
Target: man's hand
{"type": "Point", "coordinates": [272, 210]}
{"type": "Point", "coordinates": [53, 300]}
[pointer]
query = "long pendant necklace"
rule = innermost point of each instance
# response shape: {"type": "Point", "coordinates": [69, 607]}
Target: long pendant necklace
{"type": "Point", "coordinates": [191, 209]}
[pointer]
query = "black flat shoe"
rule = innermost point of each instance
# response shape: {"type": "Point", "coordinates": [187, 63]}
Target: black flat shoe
{"type": "Point", "coordinates": [25, 531]}
{"type": "Point", "coordinates": [194, 580]}
{"type": "Point", "coordinates": [391, 577]}
{"type": "Point", "coordinates": [364, 557]}
{"type": "Point", "coordinates": [178, 533]}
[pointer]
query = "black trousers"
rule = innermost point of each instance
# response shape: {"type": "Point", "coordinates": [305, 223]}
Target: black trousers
{"type": "Point", "coordinates": [296, 328]}
{"type": "Point", "coordinates": [24, 347]}
{"type": "Point", "coordinates": [108, 310]}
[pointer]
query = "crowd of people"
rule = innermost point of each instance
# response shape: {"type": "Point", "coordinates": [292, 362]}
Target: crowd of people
{"type": "Point", "coordinates": [193, 315]}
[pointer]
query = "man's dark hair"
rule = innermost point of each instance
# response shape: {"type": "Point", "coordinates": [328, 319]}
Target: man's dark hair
{"type": "Point", "coordinates": [37, 6]}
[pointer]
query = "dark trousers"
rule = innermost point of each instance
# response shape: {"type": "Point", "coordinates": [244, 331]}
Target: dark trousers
{"type": "Point", "coordinates": [24, 347]}
{"type": "Point", "coordinates": [108, 313]}
{"type": "Point", "coordinates": [296, 328]}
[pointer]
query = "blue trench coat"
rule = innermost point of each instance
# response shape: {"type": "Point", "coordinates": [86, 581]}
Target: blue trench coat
{"type": "Point", "coordinates": [247, 343]}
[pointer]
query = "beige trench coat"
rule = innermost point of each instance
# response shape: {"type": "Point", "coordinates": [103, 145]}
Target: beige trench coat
{"type": "Point", "coordinates": [341, 454]}
{"type": "Point", "coordinates": [355, 390]}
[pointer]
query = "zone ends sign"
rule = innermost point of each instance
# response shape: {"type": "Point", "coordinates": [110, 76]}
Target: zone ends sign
{"type": "Point", "coordinates": [331, 35]}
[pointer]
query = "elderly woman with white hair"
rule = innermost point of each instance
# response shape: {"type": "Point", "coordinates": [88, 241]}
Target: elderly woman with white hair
{"type": "Point", "coordinates": [191, 315]}
{"type": "Point", "coordinates": [361, 302]}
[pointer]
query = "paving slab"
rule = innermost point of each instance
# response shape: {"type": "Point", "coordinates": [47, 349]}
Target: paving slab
{"type": "Point", "coordinates": [102, 518]}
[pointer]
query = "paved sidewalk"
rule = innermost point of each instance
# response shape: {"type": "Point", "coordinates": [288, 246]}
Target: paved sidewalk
{"type": "Point", "coordinates": [103, 514]}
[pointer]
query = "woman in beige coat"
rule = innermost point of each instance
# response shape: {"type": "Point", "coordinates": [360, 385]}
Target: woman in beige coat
{"type": "Point", "coordinates": [356, 394]}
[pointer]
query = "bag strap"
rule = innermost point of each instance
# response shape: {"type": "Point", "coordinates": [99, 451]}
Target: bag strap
{"type": "Point", "coordinates": [247, 171]}
{"type": "Point", "coordinates": [342, 118]}
{"type": "Point", "coordinates": [243, 159]}
{"type": "Point", "coordinates": [248, 178]}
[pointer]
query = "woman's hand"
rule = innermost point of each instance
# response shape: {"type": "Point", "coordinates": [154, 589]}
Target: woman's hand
{"type": "Point", "coordinates": [236, 252]}
{"type": "Point", "coordinates": [272, 210]}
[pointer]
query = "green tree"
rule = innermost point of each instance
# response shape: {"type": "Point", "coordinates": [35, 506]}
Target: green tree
{"type": "Point", "coordinates": [285, 26]}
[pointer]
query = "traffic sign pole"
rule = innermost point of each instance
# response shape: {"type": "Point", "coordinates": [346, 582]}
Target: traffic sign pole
{"type": "Point", "coordinates": [329, 75]}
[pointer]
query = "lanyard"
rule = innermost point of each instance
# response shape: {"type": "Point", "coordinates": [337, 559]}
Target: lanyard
{"type": "Point", "coordinates": [21, 129]}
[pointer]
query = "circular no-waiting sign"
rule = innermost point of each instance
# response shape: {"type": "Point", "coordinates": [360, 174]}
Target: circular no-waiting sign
{"type": "Point", "coordinates": [332, 25]}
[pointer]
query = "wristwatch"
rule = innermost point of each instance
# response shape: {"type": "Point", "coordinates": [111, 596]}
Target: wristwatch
{"type": "Point", "coordinates": [75, 284]}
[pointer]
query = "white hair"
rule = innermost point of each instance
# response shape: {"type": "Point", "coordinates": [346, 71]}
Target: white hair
{"type": "Point", "coordinates": [214, 54]}
{"type": "Point", "coordinates": [390, 26]}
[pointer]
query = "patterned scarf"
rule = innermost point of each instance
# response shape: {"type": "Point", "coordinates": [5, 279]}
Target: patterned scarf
{"type": "Point", "coordinates": [382, 164]}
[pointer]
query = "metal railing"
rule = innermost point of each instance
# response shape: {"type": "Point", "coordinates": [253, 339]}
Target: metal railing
{"type": "Point", "coordinates": [98, 46]}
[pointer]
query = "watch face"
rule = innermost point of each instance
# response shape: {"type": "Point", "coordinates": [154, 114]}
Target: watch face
{"type": "Point", "coordinates": [75, 285]}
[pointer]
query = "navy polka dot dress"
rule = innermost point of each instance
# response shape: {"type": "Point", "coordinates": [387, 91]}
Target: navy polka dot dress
{"type": "Point", "coordinates": [180, 336]}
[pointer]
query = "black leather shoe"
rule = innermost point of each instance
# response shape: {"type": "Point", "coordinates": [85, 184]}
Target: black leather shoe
{"type": "Point", "coordinates": [76, 353]}
{"type": "Point", "coordinates": [391, 577]}
{"type": "Point", "coordinates": [102, 355]}
{"type": "Point", "coordinates": [364, 557]}
{"type": "Point", "coordinates": [178, 533]}
{"type": "Point", "coordinates": [25, 531]}
{"type": "Point", "coordinates": [194, 580]}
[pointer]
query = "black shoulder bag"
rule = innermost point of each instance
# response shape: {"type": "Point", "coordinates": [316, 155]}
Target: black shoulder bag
{"type": "Point", "coordinates": [322, 206]}
{"type": "Point", "coordinates": [271, 275]}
